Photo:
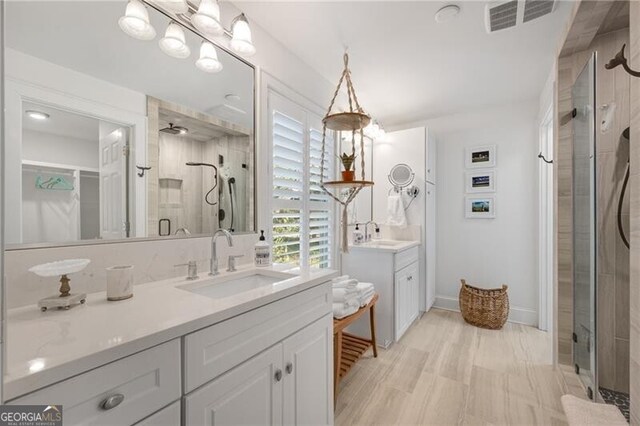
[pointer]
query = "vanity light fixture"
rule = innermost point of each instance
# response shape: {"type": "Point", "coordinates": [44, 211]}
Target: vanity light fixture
{"type": "Point", "coordinates": [208, 61]}
{"type": "Point", "coordinates": [177, 6]}
{"type": "Point", "coordinates": [173, 43]}
{"type": "Point", "coordinates": [135, 21]}
{"type": "Point", "coordinates": [375, 131]}
{"type": "Point", "coordinates": [241, 36]}
{"type": "Point", "coordinates": [37, 115]}
{"type": "Point", "coordinates": [207, 18]}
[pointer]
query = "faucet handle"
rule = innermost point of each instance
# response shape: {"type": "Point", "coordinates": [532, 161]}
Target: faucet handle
{"type": "Point", "coordinates": [192, 273]}
{"type": "Point", "coordinates": [231, 264]}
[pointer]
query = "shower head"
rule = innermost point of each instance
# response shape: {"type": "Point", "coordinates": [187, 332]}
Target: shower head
{"type": "Point", "coordinates": [232, 180]}
{"type": "Point", "coordinates": [175, 130]}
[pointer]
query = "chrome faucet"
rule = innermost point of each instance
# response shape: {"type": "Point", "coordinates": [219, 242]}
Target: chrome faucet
{"type": "Point", "coordinates": [213, 262]}
{"type": "Point", "coordinates": [367, 237]}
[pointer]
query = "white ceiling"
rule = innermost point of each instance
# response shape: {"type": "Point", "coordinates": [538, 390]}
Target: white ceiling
{"type": "Point", "coordinates": [84, 36]}
{"type": "Point", "coordinates": [61, 123]}
{"type": "Point", "coordinates": [405, 66]}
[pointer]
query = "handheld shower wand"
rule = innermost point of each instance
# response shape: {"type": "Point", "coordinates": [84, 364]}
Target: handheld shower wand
{"type": "Point", "coordinates": [215, 179]}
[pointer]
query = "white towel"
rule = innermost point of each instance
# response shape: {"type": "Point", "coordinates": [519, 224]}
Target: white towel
{"type": "Point", "coordinates": [363, 287]}
{"type": "Point", "coordinates": [350, 284]}
{"type": "Point", "coordinates": [340, 278]}
{"type": "Point", "coordinates": [341, 310]}
{"type": "Point", "coordinates": [364, 300]}
{"type": "Point", "coordinates": [344, 294]}
{"type": "Point", "coordinates": [395, 210]}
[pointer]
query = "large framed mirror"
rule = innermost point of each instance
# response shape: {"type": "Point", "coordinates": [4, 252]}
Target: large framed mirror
{"type": "Point", "coordinates": [108, 137]}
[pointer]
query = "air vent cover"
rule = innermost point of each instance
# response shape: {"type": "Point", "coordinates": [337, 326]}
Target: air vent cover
{"type": "Point", "coordinates": [502, 16]}
{"type": "Point", "coordinates": [536, 8]}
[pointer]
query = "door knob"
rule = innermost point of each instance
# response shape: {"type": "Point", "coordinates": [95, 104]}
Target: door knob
{"type": "Point", "coordinates": [278, 375]}
{"type": "Point", "coordinates": [289, 368]}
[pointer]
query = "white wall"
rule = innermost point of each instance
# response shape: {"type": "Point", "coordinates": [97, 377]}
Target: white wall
{"type": "Point", "coordinates": [489, 252]}
{"type": "Point", "coordinates": [50, 148]}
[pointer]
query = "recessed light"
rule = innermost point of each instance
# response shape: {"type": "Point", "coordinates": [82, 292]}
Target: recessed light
{"type": "Point", "coordinates": [37, 115]}
{"type": "Point", "coordinates": [447, 13]}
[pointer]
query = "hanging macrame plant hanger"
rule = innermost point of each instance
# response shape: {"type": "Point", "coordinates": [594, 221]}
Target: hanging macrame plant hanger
{"type": "Point", "coordinates": [354, 121]}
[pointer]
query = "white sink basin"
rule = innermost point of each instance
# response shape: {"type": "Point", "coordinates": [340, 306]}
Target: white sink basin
{"type": "Point", "coordinates": [232, 285]}
{"type": "Point", "coordinates": [389, 243]}
{"type": "Point", "coordinates": [386, 243]}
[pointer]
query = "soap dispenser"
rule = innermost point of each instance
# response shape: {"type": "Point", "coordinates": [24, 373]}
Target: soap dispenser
{"type": "Point", "coordinates": [263, 251]}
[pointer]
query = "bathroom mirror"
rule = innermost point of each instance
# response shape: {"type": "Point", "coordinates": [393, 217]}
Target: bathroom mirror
{"type": "Point", "coordinates": [109, 137]}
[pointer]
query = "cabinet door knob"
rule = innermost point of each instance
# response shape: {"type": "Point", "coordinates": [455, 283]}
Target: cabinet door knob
{"type": "Point", "coordinates": [289, 368]}
{"type": "Point", "coordinates": [278, 375]}
{"type": "Point", "coordinates": [112, 401]}
{"type": "Point", "coordinates": [410, 277]}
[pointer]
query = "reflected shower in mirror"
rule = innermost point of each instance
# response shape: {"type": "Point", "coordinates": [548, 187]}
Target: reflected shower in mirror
{"type": "Point", "coordinates": [100, 127]}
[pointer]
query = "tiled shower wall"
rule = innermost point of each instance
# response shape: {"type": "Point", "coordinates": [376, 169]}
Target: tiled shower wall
{"type": "Point", "coordinates": [634, 182]}
{"type": "Point", "coordinates": [612, 255]}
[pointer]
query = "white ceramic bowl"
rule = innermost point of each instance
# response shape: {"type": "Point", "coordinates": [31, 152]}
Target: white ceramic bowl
{"type": "Point", "coordinates": [60, 267]}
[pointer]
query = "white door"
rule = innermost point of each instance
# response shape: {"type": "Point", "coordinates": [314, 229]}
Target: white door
{"type": "Point", "coordinates": [308, 367]}
{"type": "Point", "coordinates": [113, 172]}
{"type": "Point", "coordinates": [250, 394]}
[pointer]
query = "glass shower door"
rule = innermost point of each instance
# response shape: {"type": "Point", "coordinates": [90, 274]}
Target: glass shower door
{"type": "Point", "coordinates": [584, 226]}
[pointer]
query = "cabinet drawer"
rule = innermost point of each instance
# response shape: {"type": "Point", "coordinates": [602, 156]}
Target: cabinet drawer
{"type": "Point", "coordinates": [168, 416]}
{"type": "Point", "coordinates": [217, 349]}
{"type": "Point", "coordinates": [405, 258]}
{"type": "Point", "coordinates": [148, 380]}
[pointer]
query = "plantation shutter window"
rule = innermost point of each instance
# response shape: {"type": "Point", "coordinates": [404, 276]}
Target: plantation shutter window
{"type": "Point", "coordinates": [302, 226]}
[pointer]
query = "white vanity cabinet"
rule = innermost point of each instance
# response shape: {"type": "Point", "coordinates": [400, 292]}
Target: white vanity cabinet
{"type": "Point", "coordinates": [395, 274]}
{"type": "Point", "coordinates": [407, 298]}
{"type": "Point", "coordinates": [271, 365]}
{"type": "Point", "coordinates": [285, 384]}
{"type": "Point", "coordinates": [120, 393]}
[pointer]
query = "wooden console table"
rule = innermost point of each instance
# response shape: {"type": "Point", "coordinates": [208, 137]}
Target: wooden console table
{"type": "Point", "coordinates": [347, 348]}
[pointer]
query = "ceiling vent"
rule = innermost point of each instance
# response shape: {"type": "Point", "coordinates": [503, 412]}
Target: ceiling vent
{"type": "Point", "coordinates": [501, 15]}
{"type": "Point", "coordinates": [536, 8]}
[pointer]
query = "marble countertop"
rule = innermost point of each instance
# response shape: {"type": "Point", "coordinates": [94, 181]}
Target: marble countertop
{"type": "Point", "coordinates": [390, 246]}
{"type": "Point", "coordinates": [46, 347]}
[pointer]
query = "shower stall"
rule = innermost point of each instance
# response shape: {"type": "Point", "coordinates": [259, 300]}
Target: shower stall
{"type": "Point", "coordinates": [599, 124]}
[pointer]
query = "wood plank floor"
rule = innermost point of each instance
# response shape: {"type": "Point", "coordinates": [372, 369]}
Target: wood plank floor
{"type": "Point", "coordinates": [446, 372]}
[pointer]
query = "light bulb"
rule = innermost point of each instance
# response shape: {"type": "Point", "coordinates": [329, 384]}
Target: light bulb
{"type": "Point", "coordinates": [207, 18]}
{"type": "Point", "coordinates": [37, 115]}
{"type": "Point", "coordinates": [241, 39]}
{"type": "Point", "coordinates": [173, 43]}
{"type": "Point", "coordinates": [135, 21]}
{"type": "Point", "coordinates": [208, 61]}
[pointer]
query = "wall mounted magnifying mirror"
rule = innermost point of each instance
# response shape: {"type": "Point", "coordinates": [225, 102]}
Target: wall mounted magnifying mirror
{"type": "Point", "coordinates": [89, 107]}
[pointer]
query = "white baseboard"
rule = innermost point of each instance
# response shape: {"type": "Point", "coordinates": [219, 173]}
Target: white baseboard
{"type": "Point", "coordinates": [516, 315]}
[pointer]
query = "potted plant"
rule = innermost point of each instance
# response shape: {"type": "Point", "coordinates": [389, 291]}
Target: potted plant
{"type": "Point", "coordinates": [347, 163]}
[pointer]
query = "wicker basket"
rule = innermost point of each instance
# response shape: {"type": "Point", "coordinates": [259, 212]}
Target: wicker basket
{"type": "Point", "coordinates": [484, 308]}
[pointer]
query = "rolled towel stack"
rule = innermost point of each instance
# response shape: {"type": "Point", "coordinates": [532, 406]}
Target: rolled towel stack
{"type": "Point", "coordinates": [349, 295]}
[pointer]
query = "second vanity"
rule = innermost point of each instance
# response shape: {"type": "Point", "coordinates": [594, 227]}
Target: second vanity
{"type": "Point", "coordinates": [394, 269]}
{"type": "Point", "coordinates": [247, 347]}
